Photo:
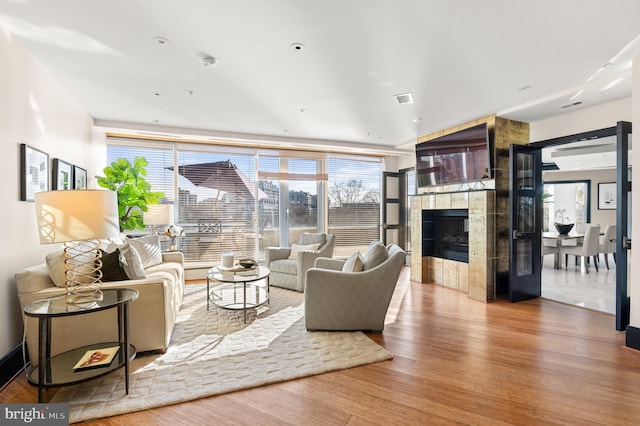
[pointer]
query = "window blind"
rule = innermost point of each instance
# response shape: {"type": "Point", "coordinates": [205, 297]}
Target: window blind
{"type": "Point", "coordinates": [354, 191]}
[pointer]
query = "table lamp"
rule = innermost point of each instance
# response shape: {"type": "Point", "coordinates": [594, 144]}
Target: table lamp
{"type": "Point", "coordinates": [157, 214]}
{"type": "Point", "coordinates": [79, 219]}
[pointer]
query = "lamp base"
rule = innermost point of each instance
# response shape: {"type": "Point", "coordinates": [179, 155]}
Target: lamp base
{"type": "Point", "coordinates": [83, 271]}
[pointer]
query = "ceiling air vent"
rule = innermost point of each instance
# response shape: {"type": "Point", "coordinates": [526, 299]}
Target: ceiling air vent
{"type": "Point", "coordinates": [572, 104]}
{"type": "Point", "coordinates": [404, 98]}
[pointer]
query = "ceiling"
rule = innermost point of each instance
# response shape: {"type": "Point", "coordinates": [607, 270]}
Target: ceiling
{"type": "Point", "coordinates": [325, 72]}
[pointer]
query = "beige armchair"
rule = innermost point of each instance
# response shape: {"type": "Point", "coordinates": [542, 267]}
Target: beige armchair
{"type": "Point", "coordinates": [341, 301]}
{"type": "Point", "coordinates": [289, 265]}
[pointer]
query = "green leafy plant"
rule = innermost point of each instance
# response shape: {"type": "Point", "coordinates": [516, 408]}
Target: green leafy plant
{"type": "Point", "coordinates": [134, 192]}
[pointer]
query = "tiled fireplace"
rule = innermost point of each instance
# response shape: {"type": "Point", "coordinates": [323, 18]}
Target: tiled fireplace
{"type": "Point", "coordinates": [482, 216]}
{"type": "Point", "coordinates": [475, 275]}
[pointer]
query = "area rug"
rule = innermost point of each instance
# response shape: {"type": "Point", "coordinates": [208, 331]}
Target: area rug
{"type": "Point", "coordinates": [215, 352]}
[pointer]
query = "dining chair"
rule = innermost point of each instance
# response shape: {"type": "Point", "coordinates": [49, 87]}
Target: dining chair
{"type": "Point", "coordinates": [589, 247]}
{"type": "Point", "coordinates": [549, 249]}
{"type": "Point", "coordinates": [608, 244]}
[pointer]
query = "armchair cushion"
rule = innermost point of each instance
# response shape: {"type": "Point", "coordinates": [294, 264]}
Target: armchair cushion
{"type": "Point", "coordinates": [296, 248]}
{"type": "Point", "coordinates": [285, 266]}
{"type": "Point", "coordinates": [310, 238]}
{"type": "Point", "coordinates": [375, 255]}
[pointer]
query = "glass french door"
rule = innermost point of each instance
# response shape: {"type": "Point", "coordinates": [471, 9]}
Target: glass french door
{"type": "Point", "coordinates": [525, 218]}
{"type": "Point", "coordinates": [623, 222]}
{"type": "Point", "coordinates": [392, 223]}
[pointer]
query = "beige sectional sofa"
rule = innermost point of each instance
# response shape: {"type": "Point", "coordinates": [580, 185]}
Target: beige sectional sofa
{"type": "Point", "coordinates": [151, 317]}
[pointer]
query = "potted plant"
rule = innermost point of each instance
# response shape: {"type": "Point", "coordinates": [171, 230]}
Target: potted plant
{"type": "Point", "coordinates": [134, 192]}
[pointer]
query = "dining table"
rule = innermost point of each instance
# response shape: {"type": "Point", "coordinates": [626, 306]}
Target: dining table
{"type": "Point", "coordinates": [557, 240]}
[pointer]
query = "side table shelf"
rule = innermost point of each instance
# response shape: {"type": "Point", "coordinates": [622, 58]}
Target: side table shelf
{"type": "Point", "coordinates": [60, 372]}
{"type": "Point", "coordinates": [57, 370]}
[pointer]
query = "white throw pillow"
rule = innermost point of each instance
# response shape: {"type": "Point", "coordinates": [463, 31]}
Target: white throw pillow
{"type": "Point", "coordinates": [296, 248]}
{"type": "Point", "coordinates": [131, 263]}
{"type": "Point", "coordinates": [148, 248]}
{"type": "Point", "coordinates": [355, 263]}
{"type": "Point", "coordinates": [55, 265]}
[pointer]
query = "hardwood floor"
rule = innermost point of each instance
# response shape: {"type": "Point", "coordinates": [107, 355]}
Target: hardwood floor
{"type": "Point", "coordinates": [456, 361]}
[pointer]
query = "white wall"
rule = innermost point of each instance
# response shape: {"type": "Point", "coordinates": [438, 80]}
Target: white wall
{"type": "Point", "coordinates": [602, 217]}
{"type": "Point", "coordinates": [584, 120]}
{"type": "Point", "coordinates": [36, 110]}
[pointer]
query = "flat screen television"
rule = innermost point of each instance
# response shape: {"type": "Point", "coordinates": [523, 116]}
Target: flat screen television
{"type": "Point", "coordinates": [463, 156]}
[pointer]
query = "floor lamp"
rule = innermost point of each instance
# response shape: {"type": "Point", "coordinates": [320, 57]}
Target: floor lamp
{"type": "Point", "coordinates": [157, 214]}
{"type": "Point", "coordinates": [79, 219]}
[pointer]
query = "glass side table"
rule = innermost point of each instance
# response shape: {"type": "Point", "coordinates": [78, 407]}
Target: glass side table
{"type": "Point", "coordinates": [58, 370]}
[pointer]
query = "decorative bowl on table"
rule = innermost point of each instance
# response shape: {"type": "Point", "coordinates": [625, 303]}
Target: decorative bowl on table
{"type": "Point", "coordinates": [563, 228]}
{"type": "Point", "coordinates": [247, 263]}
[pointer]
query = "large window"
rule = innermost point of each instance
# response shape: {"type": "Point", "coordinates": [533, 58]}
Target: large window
{"type": "Point", "coordinates": [229, 198]}
{"type": "Point", "coordinates": [354, 202]}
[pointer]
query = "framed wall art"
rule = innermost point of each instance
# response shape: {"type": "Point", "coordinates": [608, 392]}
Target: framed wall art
{"type": "Point", "coordinates": [79, 178]}
{"type": "Point", "coordinates": [34, 172]}
{"type": "Point", "coordinates": [607, 196]}
{"type": "Point", "coordinates": [62, 175]}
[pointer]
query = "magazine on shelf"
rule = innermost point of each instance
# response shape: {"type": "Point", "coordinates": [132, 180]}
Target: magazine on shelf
{"type": "Point", "coordinates": [96, 358]}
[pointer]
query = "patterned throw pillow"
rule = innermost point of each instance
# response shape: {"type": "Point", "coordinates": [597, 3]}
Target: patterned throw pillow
{"type": "Point", "coordinates": [355, 263]}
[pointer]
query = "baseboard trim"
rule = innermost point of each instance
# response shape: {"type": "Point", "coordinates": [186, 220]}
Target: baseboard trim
{"type": "Point", "coordinates": [633, 337]}
{"type": "Point", "coordinates": [11, 365]}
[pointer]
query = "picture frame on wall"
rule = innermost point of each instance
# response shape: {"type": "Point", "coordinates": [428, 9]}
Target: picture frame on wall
{"type": "Point", "coordinates": [34, 172]}
{"type": "Point", "coordinates": [607, 196]}
{"type": "Point", "coordinates": [62, 175]}
{"type": "Point", "coordinates": [79, 178]}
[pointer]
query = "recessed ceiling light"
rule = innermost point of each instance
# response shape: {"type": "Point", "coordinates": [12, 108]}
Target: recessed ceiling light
{"type": "Point", "coordinates": [298, 47]}
{"type": "Point", "coordinates": [404, 98]}
{"type": "Point", "coordinates": [523, 88]}
{"type": "Point", "coordinates": [155, 120]}
{"type": "Point", "coordinates": [209, 61]}
{"type": "Point", "coordinates": [161, 40]}
{"type": "Point", "coordinates": [417, 120]}
{"type": "Point", "coordinates": [156, 93]}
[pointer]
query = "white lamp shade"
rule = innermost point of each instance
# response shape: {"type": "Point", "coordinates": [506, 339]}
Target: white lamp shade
{"type": "Point", "coordinates": [76, 215]}
{"type": "Point", "coordinates": [158, 214]}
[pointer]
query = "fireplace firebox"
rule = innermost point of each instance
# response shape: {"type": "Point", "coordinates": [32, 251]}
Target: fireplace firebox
{"type": "Point", "coordinates": [445, 234]}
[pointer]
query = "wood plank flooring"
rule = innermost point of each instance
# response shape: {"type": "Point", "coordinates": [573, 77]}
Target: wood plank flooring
{"type": "Point", "coordinates": [456, 361]}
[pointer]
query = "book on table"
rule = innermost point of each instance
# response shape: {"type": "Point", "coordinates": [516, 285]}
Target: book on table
{"type": "Point", "coordinates": [96, 358]}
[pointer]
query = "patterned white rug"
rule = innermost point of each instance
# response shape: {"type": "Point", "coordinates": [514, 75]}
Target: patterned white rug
{"type": "Point", "coordinates": [215, 352]}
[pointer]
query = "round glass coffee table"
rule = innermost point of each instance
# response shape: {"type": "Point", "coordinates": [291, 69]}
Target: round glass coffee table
{"type": "Point", "coordinates": [238, 288]}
